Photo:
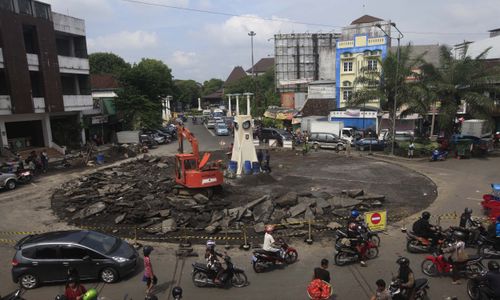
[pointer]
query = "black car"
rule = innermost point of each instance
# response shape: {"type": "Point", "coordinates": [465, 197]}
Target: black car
{"type": "Point", "coordinates": [364, 144]}
{"type": "Point", "coordinates": [327, 140]}
{"type": "Point", "coordinates": [266, 134]}
{"type": "Point", "coordinates": [47, 257]}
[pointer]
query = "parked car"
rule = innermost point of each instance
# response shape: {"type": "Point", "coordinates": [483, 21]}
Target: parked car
{"type": "Point", "coordinates": [266, 134]}
{"type": "Point", "coordinates": [8, 180]}
{"type": "Point", "coordinates": [327, 140]}
{"type": "Point", "coordinates": [364, 144]}
{"type": "Point", "coordinates": [147, 140]}
{"type": "Point", "coordinates": [211, 123]}
{"type": "Point", "coordinates": [221, 129]}
{"type": "Point", "coordinates": [46, 257]}
{"type": "Point", "coordinates": [170, 130]}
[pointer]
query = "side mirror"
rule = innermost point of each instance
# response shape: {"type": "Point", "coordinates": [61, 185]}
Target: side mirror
{"type": "Point", "coordinates": [87, 258]}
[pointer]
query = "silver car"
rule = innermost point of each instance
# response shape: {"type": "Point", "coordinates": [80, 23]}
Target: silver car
{"type": "Point", "coordinates": [8, 181]}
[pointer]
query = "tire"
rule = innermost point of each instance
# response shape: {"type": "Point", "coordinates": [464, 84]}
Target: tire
{"type": "Point", "coordinates": [239, 280]}
{"type": "Point", "coordinates": [258, 266]}
{"type": "Point", "coordinates": [109, 275]}
{"type": "Point", "coordinates": [11, 184]}
{"type": "Point", "coordinates": [429, 268]}
{"type": "Point", "coordinates": [375, 240]}
{"type": "Point", "coordinates": [481, 251]}
{"type": "Point", "coordinates": [340, 147]}
{"type": "Point", "coordinates": [199, 279]}
{"type": "Point", "coordinates": [291, 257]}
{"type": "Point", "coordinates": [341, 258]}
{"type": "Point", "coordinates": [28, 281]}
{"type": "Point", "coordinates": [316, 147]}
{"type": "Point", "coordinates": [473, 289]}
{"type": "Point", "coordinates": [411, 246]}
{"type": "Point", "coordinates": [372, 253]}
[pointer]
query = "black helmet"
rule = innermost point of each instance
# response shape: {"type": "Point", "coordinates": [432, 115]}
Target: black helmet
{"type": "Point", "coordinates": [403, 261]}
{"type": "Point", "coordinates": [493, 266]}
{"type": "Point", "coordinates": [147, 250]}
{"type": "Point", "coordinates": [61, 297]}
{"type": "Point", "coordinates": [459, 235]}
{"type": "Point", "coordinates": [177, 292]}
{"type": "Point", "coordinates": [426, 215]}
{"type": "Point", "coordinates": [468, 210]}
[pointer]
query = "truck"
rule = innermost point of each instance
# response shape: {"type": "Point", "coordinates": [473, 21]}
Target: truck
{"type": "Point", "coordinates": [324, 126]}
{"type": "Point", "coordinates": [479, 133]}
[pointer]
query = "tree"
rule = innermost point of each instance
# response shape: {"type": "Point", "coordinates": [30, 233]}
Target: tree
{"type": "Point", "coordinates": [212, 85]}
{"type": "Point", "coordinates": [144, 87]}
{"type": "Point", "coordinates": [107, 63]}
{"type": "Point", "coordinates": [460, 79]}
{"type": "Point", "coordinates": [187, 91]}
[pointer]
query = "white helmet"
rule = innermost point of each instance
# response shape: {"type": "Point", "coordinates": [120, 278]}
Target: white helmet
{"type": "Point", "coordinates": [210, 244]}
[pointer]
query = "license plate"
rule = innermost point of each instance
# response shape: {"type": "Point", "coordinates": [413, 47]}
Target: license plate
{"type": "Point", "coordinates": [254, 259]}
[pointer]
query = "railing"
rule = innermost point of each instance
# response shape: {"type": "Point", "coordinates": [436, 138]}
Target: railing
{"type": "Point", "coordinates": [5, 105]}
{"type": "Point", "coordinates": [39, 104]}
{"type": "Point", "coordinates": [77, 102]}
{"type": "Point", "coordinates": [346, 44]}
{"type": "Point", "coordinates": [74, 65]}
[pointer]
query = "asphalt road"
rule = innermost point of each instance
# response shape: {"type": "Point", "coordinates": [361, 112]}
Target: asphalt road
{"type": "Point", "coordinates": [460, 184]}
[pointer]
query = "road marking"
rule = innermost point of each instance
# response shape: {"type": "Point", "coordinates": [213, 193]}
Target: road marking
{"type": "Point", "coordinates": [210, 131]}
{"type": "Point", "coordinates": [474, 199]}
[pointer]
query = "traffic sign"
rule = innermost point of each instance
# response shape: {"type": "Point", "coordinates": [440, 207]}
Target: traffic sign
{"type": "Point", "coordinates": [376, 220]}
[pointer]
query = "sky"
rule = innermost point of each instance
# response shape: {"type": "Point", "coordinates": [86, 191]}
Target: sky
{"type": "Point", "coordinates": [201, 46]}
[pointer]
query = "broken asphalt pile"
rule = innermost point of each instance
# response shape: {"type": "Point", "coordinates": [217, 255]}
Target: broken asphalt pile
{"type": "Point", "coordinates": [140, 194]}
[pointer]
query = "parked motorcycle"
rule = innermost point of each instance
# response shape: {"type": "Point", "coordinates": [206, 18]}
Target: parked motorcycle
{"type": "Point", "coordinates": [16, 295]}
{"type": "Point", "coordinates": [24, 176]}
{"type": "Point", "coordinates": [488, 247]}
{"type": "Point", "coordinates": [474, 286]}
{"type": "Point", "coordinates": [439, 155]}
{"type": "Point", "coordinates": [262, 260]}
{"type": "Point", "coordinates": [437, 264]}
{"type": "Point", "coordinates": [203, 276]}
{"type": "Point", "coordinates": [421, 287]}
{"type": "Point", "coordinates": [417, 244]}
{"type": "Point", "coordinates": [347, 254]}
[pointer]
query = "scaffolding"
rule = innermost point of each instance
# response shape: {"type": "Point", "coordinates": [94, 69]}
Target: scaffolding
{"type": "Point", "coordinates": [297, 58]}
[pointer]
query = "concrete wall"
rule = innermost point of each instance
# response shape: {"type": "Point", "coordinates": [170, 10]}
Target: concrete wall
{"type": "Point", "coordinates": [68, 24]}
{"type": "Point", "coordinates": [326, 63]}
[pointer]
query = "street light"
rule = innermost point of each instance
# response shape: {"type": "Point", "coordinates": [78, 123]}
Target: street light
{"type": "Point", "coordinates": [400, 36]}
{"type": "Point", "coordinates": [252, 34]}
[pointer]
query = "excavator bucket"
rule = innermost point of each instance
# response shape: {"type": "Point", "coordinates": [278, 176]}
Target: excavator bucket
{"type": "Point", "coordinates": [204, 159]}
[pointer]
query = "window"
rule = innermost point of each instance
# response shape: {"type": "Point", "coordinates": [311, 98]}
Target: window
{"type": "Point", "coordinates": [100, 242]}
{"type": "Point", "coordinates": [346, 83]}
{"type": "Point", "coordinates": [25, 7]}
{"type": "Point", "coordinates": [347, 95]}
{"type": "Point", "coordinates": [42, 10]}
{"type": "Point", "coordinates": [6, 4]}
{"type": "Point", "coordinates": [330, 138]}
{"type": "Point", "coordinates": [348, 66]}
{"type": "Point", "coordinates": [46, 252]}
{"type": "Point", "coordinates": [321, 137]}
{"type": "Point", "coordinates": [72, 252]}
{"type": "Point", "coordinates": [372, 65]}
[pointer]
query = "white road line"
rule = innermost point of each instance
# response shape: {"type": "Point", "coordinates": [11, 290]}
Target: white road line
{"type": "Point", "coordinates": [474, 199]}
{"type": "Point", "coordinates": [210, 131]}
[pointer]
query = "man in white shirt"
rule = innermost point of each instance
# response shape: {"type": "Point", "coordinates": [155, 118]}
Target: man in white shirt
{"type": "Point", "coordinates": [269, 242]}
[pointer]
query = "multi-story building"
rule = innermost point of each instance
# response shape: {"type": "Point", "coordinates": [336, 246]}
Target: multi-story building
{"type": "Point", "coordinates": [44, 76]}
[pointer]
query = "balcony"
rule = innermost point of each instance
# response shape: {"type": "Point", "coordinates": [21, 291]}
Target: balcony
{"type": "Point", "coordinates": [5, 105]}
{"type": "Point", "coordinates": [73, 65]}
{"type": "Point", "coordinates": [39, 105]}
{"type": "Point", "coordinates": [33, 63]}
{"type": "Point", "coordinates": [68, 24]}
{"type": "Point", "coordinates": [1, 59]}
{"type": "Point", "coordinates": [77, 102]}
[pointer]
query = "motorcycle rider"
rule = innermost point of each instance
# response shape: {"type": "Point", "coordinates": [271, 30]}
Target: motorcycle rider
{"type": "Point", "coordinates": [357, 241]}
{"type": "Point", "coordinates": [422, 228]}
{"type": "Point", "coordinates": [177, 292]}
{"type": "Point", "coordinates": [458, 256]}
{"type": "Point", "coordinates": [269, 243]}
{"type": "Point", "coordinates": [492, 290]}
{"type": "Point", "coordinates": [213, 262]}
{"type": "Point", "coordinates": [466, 219]}
{"type": "Point", "coordinates": [406, 277]}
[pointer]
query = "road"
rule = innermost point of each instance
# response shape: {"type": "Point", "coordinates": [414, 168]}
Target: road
{"type": "Point", "coordinates": [460, 184]}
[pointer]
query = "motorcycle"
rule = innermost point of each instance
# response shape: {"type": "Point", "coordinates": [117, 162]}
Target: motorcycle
{"type": "Point", "coordinates": [474, 234]}
{"type": "Point", "coordinates": [488, 247]}
{"type": "Point", "coordinates": [436, 265]}
{"type": "Point", "coordinates": [16, 295]}
{"type": "Point", "coordinates": [347, 254]}
{"type": "Point", "coordinates": [474, 286]}
{"type": "Point", "coordinates": [417, 244]}
{"type": "Point", "coordinates": [421, 287]}
{"type": "Point", "coordinates": [262, 260]}
{"type": "Point", "coordinates": [24, 176]}
{"type": "Point", "coordinates": [203, 276]}
{"type": "Point", "coordinates": [373, 236]}
{"type": "Point", "coordinates": [439, 155]}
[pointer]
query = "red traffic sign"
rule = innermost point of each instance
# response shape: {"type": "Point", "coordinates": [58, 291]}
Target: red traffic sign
{"type": "Point", "coordinates": [376, 218]}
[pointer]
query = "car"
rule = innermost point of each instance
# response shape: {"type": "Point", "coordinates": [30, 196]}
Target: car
{"type": "Point", "coordinates": [160, 139]}
{"type": "Point", "coordinates": [221, 129]}
{"type": "Point", "coordinates": [46, 258]}
{"type": "Point", "coordinates": [211, 123]}
{"type": "Point", "coordinates": [327, 140]}
{"type": "Point", "coordinates": [8, 180]}
{"type": "Point", "coordinates": [364, 144]}
{"type": "Point", "coordinates": [266, 134]}
{"type": "Point", "coordinates": [147, 140]}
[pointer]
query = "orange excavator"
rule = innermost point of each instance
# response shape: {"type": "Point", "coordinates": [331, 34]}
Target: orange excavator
{"type": "Point", "coordinates": [190, 171]}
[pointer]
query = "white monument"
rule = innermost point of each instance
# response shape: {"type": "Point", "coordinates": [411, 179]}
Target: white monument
{"type": "Point", "coordinates": [166, 112]}
{"type": "Point", "coordinates": [199, 105]}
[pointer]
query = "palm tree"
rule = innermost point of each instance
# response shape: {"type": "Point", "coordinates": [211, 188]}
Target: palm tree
{"type": "Point", "coordinates": [462, 79]}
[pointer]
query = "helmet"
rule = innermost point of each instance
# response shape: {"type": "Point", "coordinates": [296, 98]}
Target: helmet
{"type": "Point", "coordinates": [90, 295]}
{"type": "Point", "coordinates": [459, 235]}
{"type": "Point", "coordinates": [426, 215]}
{"type": "Point", "coordinates": [177, 292]}
{"type": "Point", "coordinates": [468, 210]}
{"type": "Point", "coordinates": [354, 213]}
{"type": "Point", "coordinates": [61, 297]}
{"type": "Point", "coordinates": [269, 228]}
{"type": "Point", "coordinates": [493, 266]}
{"type": "Point", "coordinates": [353, 226]}
{"type": "Point", "coordinates": [72, 279]}
{"type": "Point", "coordinates": [147, 250]}
{"type": "Point", "coordinates": [210, 244]}
{"type": "Point", "coordinates": [403, 261]}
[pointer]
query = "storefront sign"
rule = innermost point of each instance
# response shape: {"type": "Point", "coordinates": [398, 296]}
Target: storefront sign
{"type": "Point", "coordinates": [99, 119]}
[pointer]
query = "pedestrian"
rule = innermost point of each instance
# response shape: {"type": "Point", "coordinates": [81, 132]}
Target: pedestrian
{"type": "Point", "coordinates": [44, 158]}
{"type": "Point", "coordinates": [149, 276]}
{"type": "Point", "coordinates": [411, 149]}
{"type": "Point", "coordinates": [259, 156]}
{"type": "Point", "coordinates": [348, 149]}
{"type": "Point", "coordinates": [74, 290]}
{"type": "Point", "coordinates": [266, 157]}
{"type": "Point", "coordinates": [382, 293]}
{"type": "Point", "coordinates": [322, 272]}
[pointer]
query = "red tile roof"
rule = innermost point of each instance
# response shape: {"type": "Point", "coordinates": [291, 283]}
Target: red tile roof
{"type": "Point", "coordinates": [103, 82]}
{"type": "Point", "coordinates": [236, 74]}
{"type": "Point", "coordinates": [262, 65]}
{"type": "Point", "coordinates": [365, 19]}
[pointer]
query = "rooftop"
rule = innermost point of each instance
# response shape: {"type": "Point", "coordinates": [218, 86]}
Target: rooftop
{"type": "Point", "coordinates": [431, 53]}
{"type": "Point", "coordinates": [103, 82]}
{"type": "Point", "coordinates": [263, 65]}
{"type": "Point", "coordinates": [478, 47]}
{"type": "Point", "coordinates": [366, 19]}
{"type": "Point", "coordinates": [236, 74]}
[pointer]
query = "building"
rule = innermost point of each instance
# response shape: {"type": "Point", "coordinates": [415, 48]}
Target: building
{"type": "Point", "coordinates": [359, 50]}
{"type": "Point", "coordinates": [44, 76]}
{"type": "Point", "coordinates": [262, 66]}
{"type": "Point", "coordinates": [302, 58]}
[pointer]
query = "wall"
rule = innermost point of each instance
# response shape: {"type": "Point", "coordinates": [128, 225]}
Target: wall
{"type": "Point", "coordinates": [327, 63]}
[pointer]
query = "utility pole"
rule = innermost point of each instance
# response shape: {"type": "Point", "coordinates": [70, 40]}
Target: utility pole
{"type": "Point", "coordinates": [252, 34]}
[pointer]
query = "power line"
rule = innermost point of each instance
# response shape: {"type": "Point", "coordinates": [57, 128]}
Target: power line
{"type": "Point", "coordinates": [227, 14]}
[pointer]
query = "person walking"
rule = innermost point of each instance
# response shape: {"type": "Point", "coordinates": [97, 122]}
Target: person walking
{"type": "Point", "coordinates": [44, 158]}
{"type": "Point", "coordinates": [322, 272]}
{"type": "Point", "coordinates": [411, 149]}
{"type": "Point", "coordinates": [149, 277]}
{"type": "Point", "coordinates": [382, 293]}
{"type": "Point", "coordinates": [348, 149]}
{"type": "Point", "coordinates": [266, 158]}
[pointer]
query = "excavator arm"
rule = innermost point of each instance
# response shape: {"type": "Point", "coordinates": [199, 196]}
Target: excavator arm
{"type": "Point", "coordinates": [184, 133]}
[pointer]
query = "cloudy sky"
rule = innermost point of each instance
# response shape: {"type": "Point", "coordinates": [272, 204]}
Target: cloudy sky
{"type": "Point", "coordinates": [200, 45]}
